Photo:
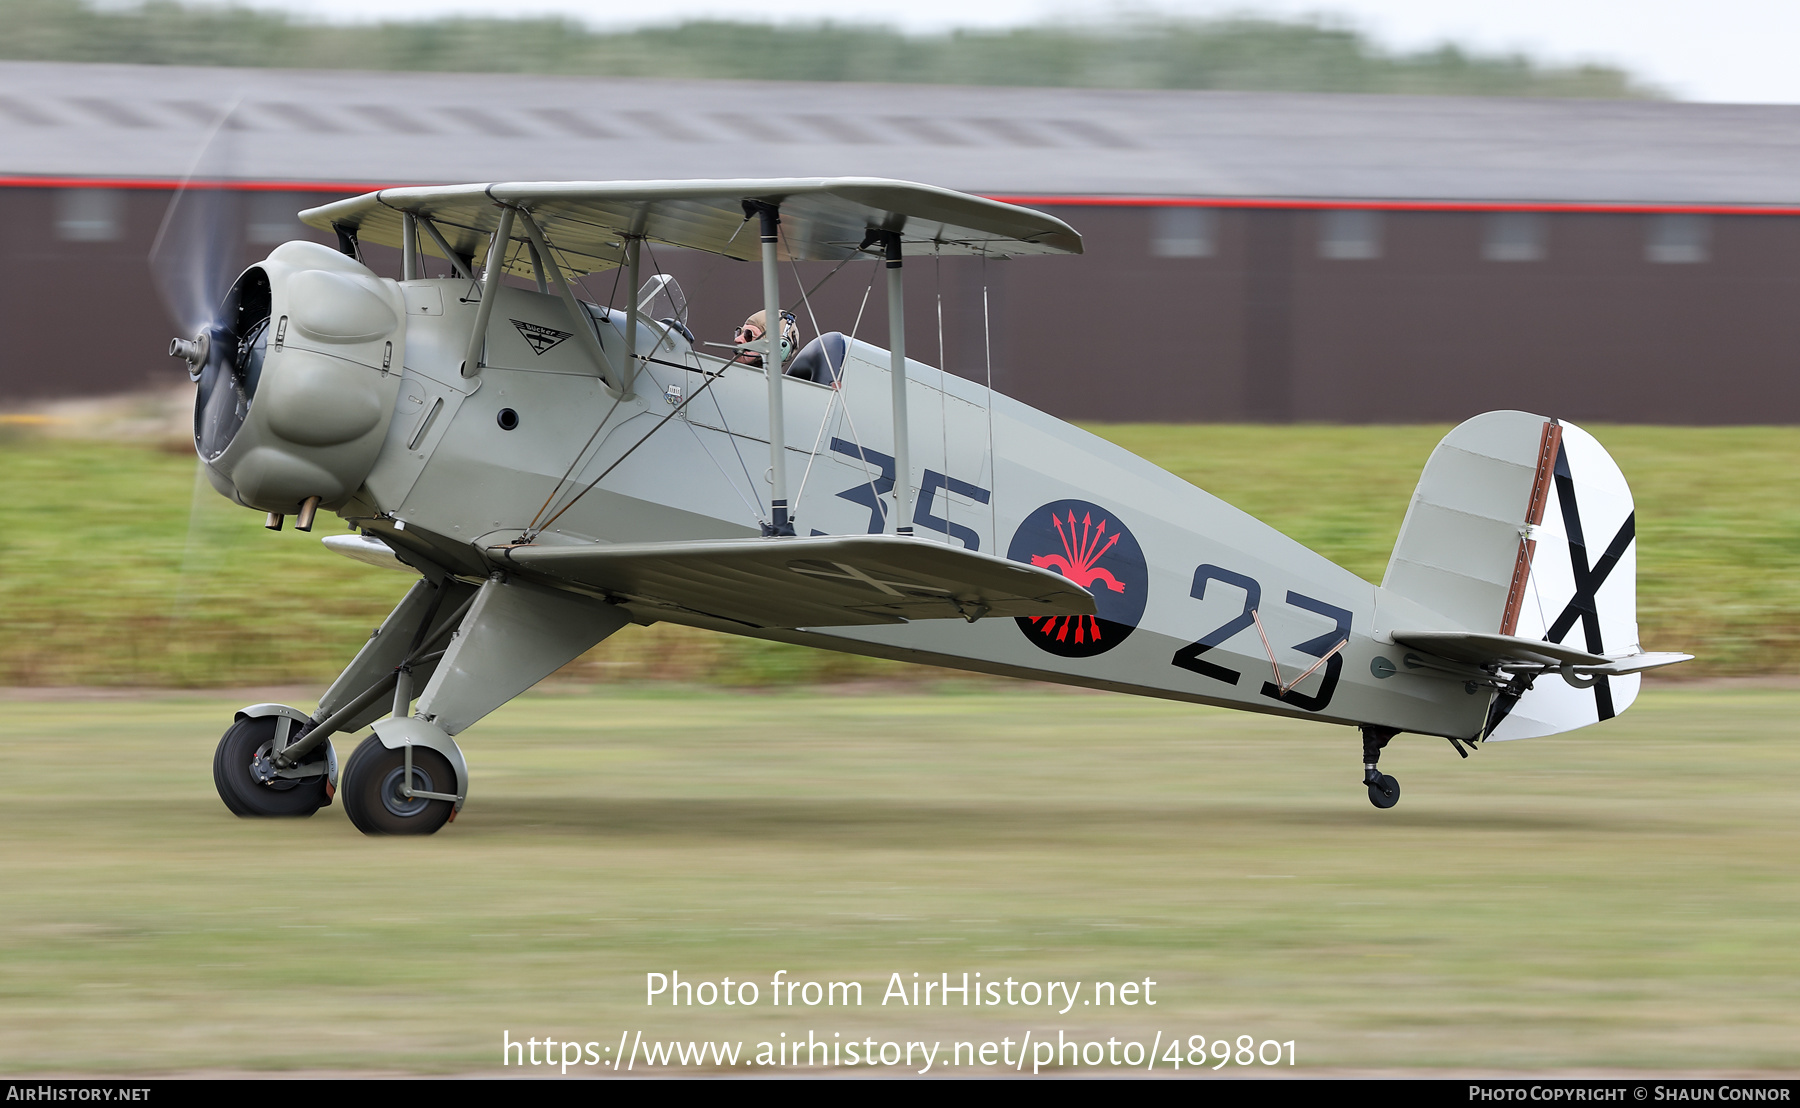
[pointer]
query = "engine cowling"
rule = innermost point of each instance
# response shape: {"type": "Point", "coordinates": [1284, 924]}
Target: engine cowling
{"type": "Point", "coordinates": [299, 378]}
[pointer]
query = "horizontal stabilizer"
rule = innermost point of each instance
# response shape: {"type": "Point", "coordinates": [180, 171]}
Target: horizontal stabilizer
{"type": "Point", "coordinates": [1636, 663]}
{"type": "Point", "coordinates": [1508, 651]}
{"type": "Point", "coordinates": [821, 581]}
{"type": "Point", "coordinates": [1477, 649]}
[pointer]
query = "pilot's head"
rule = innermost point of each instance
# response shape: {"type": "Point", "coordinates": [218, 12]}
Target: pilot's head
{"type": "Point", "coordinates": [757, 325]}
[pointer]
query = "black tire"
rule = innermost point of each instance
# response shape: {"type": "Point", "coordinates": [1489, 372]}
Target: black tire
{"type": "Point", "coordinates": [250, 798]}
{"type": "Point", "coordinates": [371, 789]}
{"type": "Point", "coordinates": [1385, 792]}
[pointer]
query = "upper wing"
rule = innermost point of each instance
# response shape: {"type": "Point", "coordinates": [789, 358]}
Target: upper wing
{"type": "Point", "coordinates": [822, 581]}
{"type": "Point", "coordinates": [822, 218]}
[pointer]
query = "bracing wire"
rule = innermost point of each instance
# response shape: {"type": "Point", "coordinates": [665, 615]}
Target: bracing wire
{"type": "Point", "coordinates": [836, 387]}
{"type": "Point", "coordinates": [1531, 580]}
{"type": "Point", "coordinates": [618, 272]}
{"type": "Point", "coordinates": [620, 460]}
{"type": "Point", "coordinates": [532, 530]}
{"type": "Point", "coordinates": [662, 329]}
{"type": "Point", "coordinates": [837, 391]}
{"type": "Point", "coordinates": [750, 481]}
{"type": "Point", "coordinates": [736, 450]}
{"type": "Point", "coordinates": [855, 435]}
{"type": "Point", "coordinates": [536, 528]}
{"type": "Point", "coordinates": [937, 276]}
{"type": "Point", "coordinates": [755, 509]}
{"type": "Point", "coordinates": [806, 299]}
{"type": "Point", "coordinates": [756, 512]}
{"type": "Point", "coordinates": [803, 291]}
{"type": "Point", "coordinates": [987, 342]}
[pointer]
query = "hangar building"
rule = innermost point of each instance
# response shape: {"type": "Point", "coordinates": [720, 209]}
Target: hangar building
{"type": "Point", "coordinates": [1250, 256]}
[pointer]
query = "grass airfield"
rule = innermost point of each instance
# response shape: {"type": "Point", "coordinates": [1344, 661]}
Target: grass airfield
{"type": "Point", "coordinates": [1622, 898]}
{"type": "Point", "coordinates": [174, 586]}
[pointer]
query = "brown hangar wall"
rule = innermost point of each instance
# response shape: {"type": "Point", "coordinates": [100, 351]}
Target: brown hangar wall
{"type": "Point", "coordinates": [77, 308]}
{"type": "Point", "coordinates": [1264, 328]}
{"type": "Point", "coordinates": [1256, 326]}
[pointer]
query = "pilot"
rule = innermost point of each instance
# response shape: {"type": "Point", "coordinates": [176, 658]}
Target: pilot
{"type": "Point", "coordinates": [754, 328]}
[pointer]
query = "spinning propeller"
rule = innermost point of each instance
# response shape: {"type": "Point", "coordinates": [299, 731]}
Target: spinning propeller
{"type": "Point", "coordinates": [194, 262]}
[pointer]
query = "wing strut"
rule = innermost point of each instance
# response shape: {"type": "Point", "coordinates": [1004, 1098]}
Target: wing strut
{"type": "Point", "coordinates": [490, 290]}
{"type": "Point", "coordinates": [409, 246]}
{"type": "Point", "coordinates": [774, 366]}
{"type": "Point", "coordinates": [457, 261]}
{"type": "Point", "coordinates": [632, 245]}
{"type": "Point", "coordinates": [579, 320]}
{"type": "Point", "coordinates": [896, 298]}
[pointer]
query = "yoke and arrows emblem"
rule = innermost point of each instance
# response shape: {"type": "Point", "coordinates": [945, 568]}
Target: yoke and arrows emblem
{"type": "Point", "coordinates": [1076, 562]}
{"type": "Point", "coordinates": [1088, 545]}
{"type": "Point", "coordinates": [540, 337]}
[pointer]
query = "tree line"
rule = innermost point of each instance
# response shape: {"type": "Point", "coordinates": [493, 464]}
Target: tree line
{"type": "Point", "coordinates": [1142, 52]}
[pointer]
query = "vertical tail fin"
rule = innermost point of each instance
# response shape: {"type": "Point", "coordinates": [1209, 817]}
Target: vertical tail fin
{"type": "Point", "coordinates": [1524, 526]}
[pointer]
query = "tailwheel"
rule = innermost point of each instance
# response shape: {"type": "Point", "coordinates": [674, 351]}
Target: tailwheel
{"type": "Point", "coordinates": [376, 796]}
{"type": "Point", "coordinates": [249, 782]}
{"type": "Point", "coordinates": [1384, 791]}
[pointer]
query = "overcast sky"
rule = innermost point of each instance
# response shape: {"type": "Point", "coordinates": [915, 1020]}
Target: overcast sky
{"type": "Point", "coordinates": [1719, 50]}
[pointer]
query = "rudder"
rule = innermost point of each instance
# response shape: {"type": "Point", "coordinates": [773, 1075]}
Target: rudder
{"type": "Point", "coordinates": [1525, 526]}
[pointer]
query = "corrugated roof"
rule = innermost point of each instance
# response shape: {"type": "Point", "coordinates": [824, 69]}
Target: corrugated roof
{"type": "Point", "coordinates": [148, 122]}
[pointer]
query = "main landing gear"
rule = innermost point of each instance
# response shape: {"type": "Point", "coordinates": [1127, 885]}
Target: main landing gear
{"type": "Point", "coordinates": [469, 647]}
{"type": "Point", "coordinates": [249, 781]}
{"type": "Point", "coordinates": [409, 790]}
{"type": "Point", "coordinates": [1384, 791]}
{"type": "Point", "coordinates": [406, 779]}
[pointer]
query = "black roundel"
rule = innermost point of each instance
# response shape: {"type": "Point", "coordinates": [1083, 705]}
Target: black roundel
{"type": "Point", "coordinates": [1087, 544]}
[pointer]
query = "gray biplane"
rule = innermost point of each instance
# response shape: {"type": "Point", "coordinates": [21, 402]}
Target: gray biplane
{"type": "Point", "coordinates": [552, 470]}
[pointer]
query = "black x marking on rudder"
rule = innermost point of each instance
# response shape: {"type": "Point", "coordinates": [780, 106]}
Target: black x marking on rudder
{"type": "Point", "coordinates": [1588, 578]}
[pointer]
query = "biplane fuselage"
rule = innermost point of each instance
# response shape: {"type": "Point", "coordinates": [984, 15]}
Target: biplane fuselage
{"type": "Point", "coordinates": [554, 470]}
{"type": "Point", "coordinates": [1170, 563]}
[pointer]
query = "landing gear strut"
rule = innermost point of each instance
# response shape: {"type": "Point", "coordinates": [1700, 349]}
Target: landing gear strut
{"type": "Point", "coordinates": [1384, 791]}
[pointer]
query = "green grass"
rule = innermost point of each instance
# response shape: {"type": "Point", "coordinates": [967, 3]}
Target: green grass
{"type": "Point", "coordinates": [121, 570]}
{"type": "Point", "coordinates": [1617, 899]}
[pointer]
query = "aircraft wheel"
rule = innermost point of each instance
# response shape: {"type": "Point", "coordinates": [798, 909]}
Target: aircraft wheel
{"type": "Point", "coordinates": [372, 790]}
{"type": "Point", "coordinates": [1384, 792]}
{"type": "Point", "coordinates": [246, 796]}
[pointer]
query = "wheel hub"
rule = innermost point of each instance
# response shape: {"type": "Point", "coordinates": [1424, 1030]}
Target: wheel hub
{"type": "Point", "coordinates": [262, 769]}
{"type": "Point", "coordinates": [393, 795]}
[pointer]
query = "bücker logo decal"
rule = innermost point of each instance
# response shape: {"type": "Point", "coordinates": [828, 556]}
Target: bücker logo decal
{"type": "Point", "coordinates": [540, 337]}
